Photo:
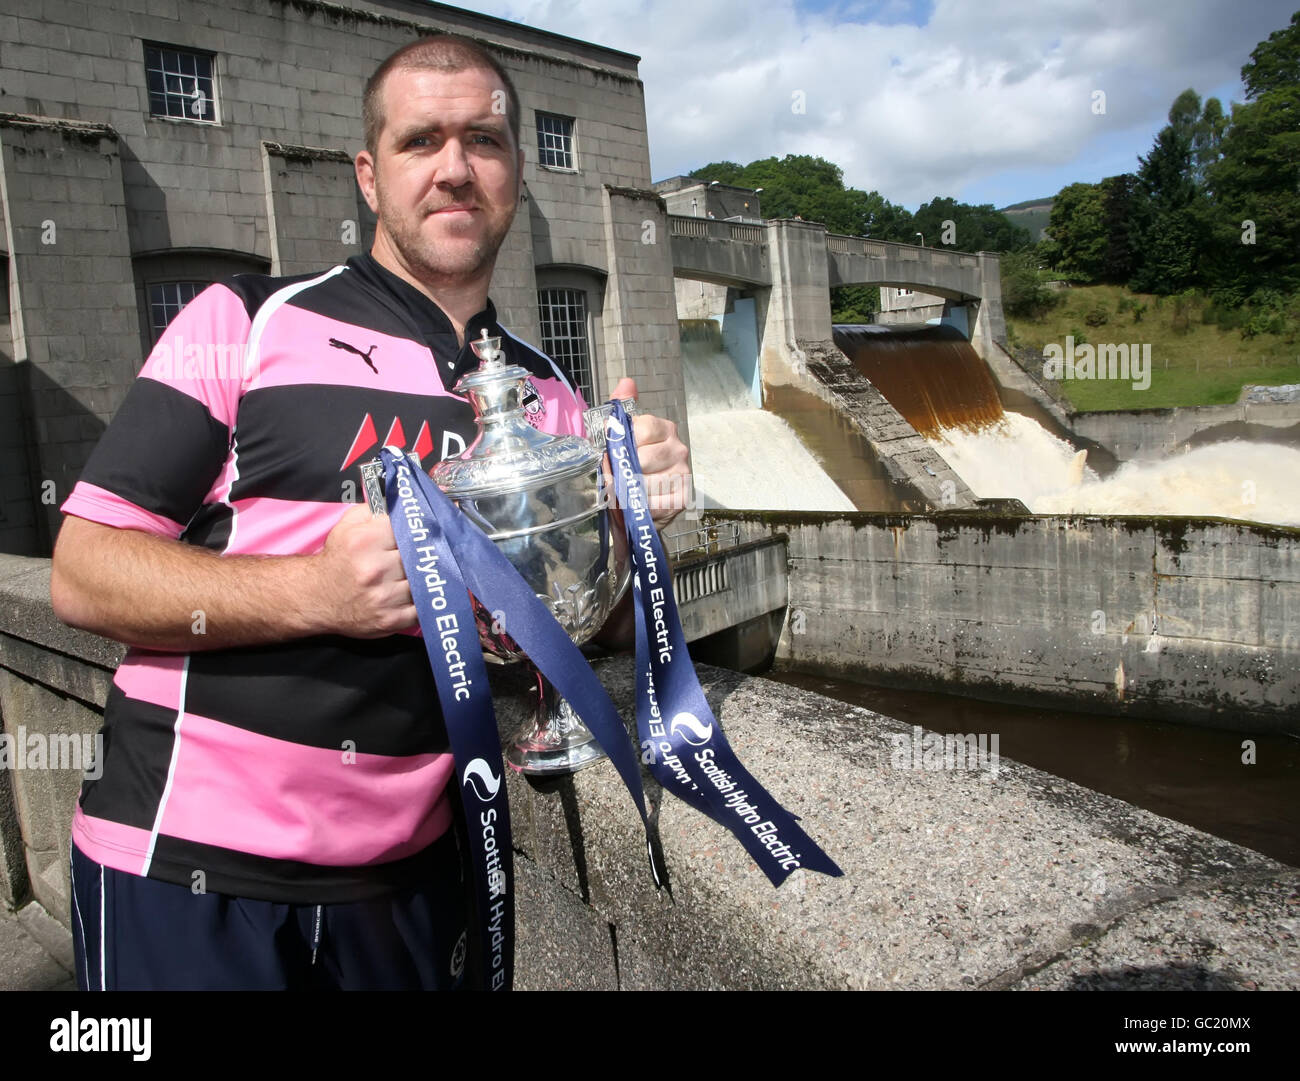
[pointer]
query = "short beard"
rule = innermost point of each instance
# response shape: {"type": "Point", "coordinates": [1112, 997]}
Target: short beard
{"type": "Point", "coordinates": [427, 265]}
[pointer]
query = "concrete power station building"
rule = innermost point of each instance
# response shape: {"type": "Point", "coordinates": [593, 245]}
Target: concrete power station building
{"type": "Point", "coordinates": [151, 147]}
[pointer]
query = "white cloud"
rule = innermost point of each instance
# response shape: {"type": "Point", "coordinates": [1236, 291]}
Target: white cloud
{"type": "Point", "coordinates": [981, 89]}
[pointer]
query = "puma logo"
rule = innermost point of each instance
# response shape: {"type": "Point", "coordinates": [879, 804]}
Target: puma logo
{"type": "Point", "coordinates": [353, 349]}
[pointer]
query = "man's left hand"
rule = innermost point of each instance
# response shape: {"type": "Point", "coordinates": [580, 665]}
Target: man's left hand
{"type": "Point", "coordinates": [663, 460]}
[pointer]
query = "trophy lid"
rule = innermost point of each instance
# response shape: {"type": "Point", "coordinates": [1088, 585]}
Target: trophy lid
{"type": "Point", "coordinates": [510, 454]}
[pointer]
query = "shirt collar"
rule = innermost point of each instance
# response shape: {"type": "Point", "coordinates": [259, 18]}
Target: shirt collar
{"type": "Point", "coordinates": [430, 320]}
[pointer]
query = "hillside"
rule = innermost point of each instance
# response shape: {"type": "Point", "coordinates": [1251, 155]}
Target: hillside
{"type": "Point", "coordinates": [1192, 362]}
{"type": "Point", "coordinates": [1032, 214]}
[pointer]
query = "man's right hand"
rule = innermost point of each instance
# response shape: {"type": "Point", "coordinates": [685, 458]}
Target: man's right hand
{"type": "Point", "coordinates": [362, 583]}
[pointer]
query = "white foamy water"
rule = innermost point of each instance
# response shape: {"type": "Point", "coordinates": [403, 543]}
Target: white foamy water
{"type": "Point", "coordinates": [1018, 458]}
{"type": "Point", "coordinates": [745, 458]}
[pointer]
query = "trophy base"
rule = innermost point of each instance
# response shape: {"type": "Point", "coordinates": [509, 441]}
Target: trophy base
{"type": "Point", "coordinates": [555, 741]}
{"type": "Point", "coordinates": [542, 763]}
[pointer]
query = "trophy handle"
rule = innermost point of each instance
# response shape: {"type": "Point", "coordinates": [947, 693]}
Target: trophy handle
{"type": "Point", "coordinates": [372, 482]}
{"type": "Point", "coordinates": [595, 417]}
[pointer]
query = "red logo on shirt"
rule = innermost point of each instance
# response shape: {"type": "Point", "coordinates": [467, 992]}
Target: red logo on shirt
{"type": "Point", "coordinates": [367, 437]}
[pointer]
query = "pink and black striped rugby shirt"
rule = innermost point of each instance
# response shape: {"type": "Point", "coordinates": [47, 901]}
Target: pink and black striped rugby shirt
{"type": "Point", "coordinates": [314, 770]}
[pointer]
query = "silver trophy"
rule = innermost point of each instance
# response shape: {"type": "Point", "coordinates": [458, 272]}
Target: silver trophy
{"type": "Point", "coordinates": [542, 499]}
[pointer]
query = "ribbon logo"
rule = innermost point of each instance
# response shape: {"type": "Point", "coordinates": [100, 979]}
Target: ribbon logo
{"type": "Point", "coordinates": [478, 775]}
{"type": "Point", "coordinates": [614, 428]}
{"type": "Point", "coordinates": [688, 726]}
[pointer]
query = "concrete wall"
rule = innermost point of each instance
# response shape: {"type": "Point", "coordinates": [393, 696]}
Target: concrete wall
{"type": "Point", "coordinates": [310, 206]}
{"type": "Point", "coordinates": [1184, 619]}
{"type": "Point", "coordinates": [74, 334]}
{"type": "Point", "coordinates": [740, 339]}
{"type": "Point", "coordinates": [640, 311]}
{"type": "Point", "coordinates": [923, 478]}
{"type": "Point", "coordinates": [724, 252]}
{"type": "Point", "coordinates": [726, 589]}
{"type": "Point", "coordinates": [990, 329]}
{"type": "Point", "coordinates": [1146, 434]}
{"type": "Point", "coordinates": [689, 196]}
{"type": "Point", "coordinates": [798, 306]}
{"type": "Point", "coordinates": [698, 299]}
{"type": "Point", "coordinates": [915, 307]}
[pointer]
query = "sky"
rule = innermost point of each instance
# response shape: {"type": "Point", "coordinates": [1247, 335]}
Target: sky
{"type": "Point", "coordinates": [986, 101]}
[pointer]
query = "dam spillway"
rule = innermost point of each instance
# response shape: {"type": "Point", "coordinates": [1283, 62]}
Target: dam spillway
{"type": "Point", "coordinates": [930, 374]}
{"type": "Point", "coordinates": [934, 378]}
{"type": "Point", "coordinates": [744, 457]}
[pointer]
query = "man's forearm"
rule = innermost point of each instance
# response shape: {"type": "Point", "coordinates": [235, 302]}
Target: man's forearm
{"type": "Point", "coordinates": [161, 594]}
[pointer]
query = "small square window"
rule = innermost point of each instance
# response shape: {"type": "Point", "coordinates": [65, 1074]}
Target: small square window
{"type": "Point", "coordinates": [166, 299]}
{"type": "Point", "coordinates": [555, 141]}
{"type": "Point", "coordinates": [180, 84]}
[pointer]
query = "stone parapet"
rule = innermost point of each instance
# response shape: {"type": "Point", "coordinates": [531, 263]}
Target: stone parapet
{"type": "Point", "coordinates": [990, 877]}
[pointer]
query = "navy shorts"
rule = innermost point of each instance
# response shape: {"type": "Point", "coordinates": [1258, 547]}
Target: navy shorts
{"type": "Point", "coordinates": [139, 934]}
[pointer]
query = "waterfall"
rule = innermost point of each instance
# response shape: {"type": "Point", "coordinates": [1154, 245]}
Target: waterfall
{"type": "Point", "coordinates": [743, 457]}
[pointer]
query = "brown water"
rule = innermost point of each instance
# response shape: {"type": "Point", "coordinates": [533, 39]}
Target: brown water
{"type": "Point", "coordinates": [1192, 775]}
{"type": "Point", "coordinates": [843, 453]}
{"type": "Point", "coordinates": [929, 374]}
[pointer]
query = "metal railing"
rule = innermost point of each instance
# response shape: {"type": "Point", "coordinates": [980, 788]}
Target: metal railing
{"type": "Point", "coordinates": [703, 540]}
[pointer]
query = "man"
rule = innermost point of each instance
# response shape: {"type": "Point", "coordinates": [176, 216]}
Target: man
{"type": "Point", "coordinates": [274, 809]}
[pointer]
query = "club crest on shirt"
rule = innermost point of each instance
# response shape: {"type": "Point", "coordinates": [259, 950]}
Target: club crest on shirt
{"type": "Point", "coordinates": [534, 404]}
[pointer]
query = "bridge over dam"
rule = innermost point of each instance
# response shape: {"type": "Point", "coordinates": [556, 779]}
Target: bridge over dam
{"type": "Point", "coordinates": [775, 277]}
{"type": "Point", "coordinates": [801, 261]}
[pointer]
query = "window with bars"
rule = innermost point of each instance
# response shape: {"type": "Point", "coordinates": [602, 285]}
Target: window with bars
{"type": "Point", "coordinates": [564, 335]}
{"type": "Point", "coordinates": [555, 141]}
{"type": "Point", "coordinates": [180, 84]}
{"type": "Point", "coordinates": [166, 299]}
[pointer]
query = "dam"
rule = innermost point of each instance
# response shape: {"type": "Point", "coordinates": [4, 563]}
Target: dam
{"type": "Point", "coordinates": [1119, 592]}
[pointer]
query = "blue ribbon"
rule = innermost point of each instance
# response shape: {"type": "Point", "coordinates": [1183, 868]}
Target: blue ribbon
{"type": "Point", "coordinates": [493, 579]}
{"type": "Point", "coordinates": [446, 557]}
{"type": "Point", "coordinates": [451, 640]}
{"type": "Point", "coordinates": [684, 745]}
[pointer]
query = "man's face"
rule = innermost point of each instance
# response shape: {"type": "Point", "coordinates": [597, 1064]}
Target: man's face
{"type": "Point", "coordinates": [445, 176]}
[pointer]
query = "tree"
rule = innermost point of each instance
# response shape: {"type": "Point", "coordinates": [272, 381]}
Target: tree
{"type": "Point", "coordinates": [1023, 293]}
{"type": "Point", "coordinates": [974, 228]}
{"type": "Point", "coordinates": [1275, 63]}
{"type": "Point", "coordinates": [1207, 139]}
{"type": "Point", "coordinates": [1255, 183]}
{"type": "Point", "coordinates": [812, 188]}
{"type": "Point", "coordinates": [1118, 194]}
{"type": "Point", "coordinates": [799, 185]}
{"type": "Point", "coordinates": [854, 303]}
{"type": "Point", "coordinates": [1171, 218]}
{"type": "Point", "coordinates": [1077, 231]}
